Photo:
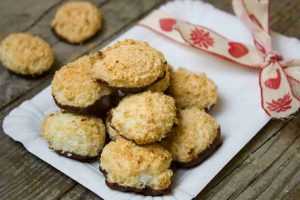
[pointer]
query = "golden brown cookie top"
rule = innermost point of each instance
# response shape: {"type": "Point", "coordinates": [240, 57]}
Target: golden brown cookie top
{"type": "Point", "coordinates": [78, 134]}
{"type": "Point", "coordinates": [130, 64]}
{"type": "Point", "coordinates": [73, 84]}
{"type": "Point", "coordinates": [195, 132]}
{"type": "Point", "coordinates": [145, 117]}
{"type": "Point", "coordinates": [136, 166]}
{"type": "Point", "coordinates": [77, 21]}
{"type": "Point", "coordinates": [191, 89]}
{"type": "Point", "coordinates": [26, 54]}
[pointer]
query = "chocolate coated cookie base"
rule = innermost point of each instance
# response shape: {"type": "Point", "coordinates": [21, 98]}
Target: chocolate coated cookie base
{"type": "Point", "coordinates": [99, 108]}
{"type": "Point", "coordinates": [147, 191]}
{"type": "Point", "coordinates": [77, 157]}
{"type": "Point", "coordinates": [203, 155]}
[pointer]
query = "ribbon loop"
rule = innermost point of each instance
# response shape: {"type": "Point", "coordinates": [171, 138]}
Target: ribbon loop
{"type": "Point", "coordinates": [277, 97]}
{"type": "Point", "coordinates": [255, 15]}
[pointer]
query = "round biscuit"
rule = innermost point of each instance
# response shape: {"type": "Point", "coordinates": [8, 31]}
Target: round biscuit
{"type": "Point", "coordinates": [25, 54]}
{"type": "Point", "coordinates": [196, 134]}
{"type": "Point", "coordinates": [145, 118]}
{"type": "Point", "coordinates": [136, 168]}
{"type": "Point", "coordinates": [191, 89]}
{"type": "Point", "coordinates": [130, 64]}
{"type": "Point", "coordinates": [74, 135]}
{"type": "Point", "coordinates": [77, 21]}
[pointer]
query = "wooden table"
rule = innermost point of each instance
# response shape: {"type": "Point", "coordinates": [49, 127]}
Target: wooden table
{"type": "Point", "coordinates": [267, 168]}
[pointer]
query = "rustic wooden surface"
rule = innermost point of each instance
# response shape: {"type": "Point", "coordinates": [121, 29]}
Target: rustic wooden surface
{"type": "Point", "coordinates": [267, 168]}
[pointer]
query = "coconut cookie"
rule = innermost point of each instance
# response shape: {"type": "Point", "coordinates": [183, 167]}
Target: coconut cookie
{"type": "Point", "coordinates": [77, 21]}
{"type": "Point", "coordinates": [74, 136]}
{"type": "Point", "coordinates": [75, 90]}
{"type": "Point", "coordinates": [130, 66]}
{"type": "Point", "coordinates": [190, 89]}
{"type": "Point", "coordinates": [196, 136]}
{"type": "Point", "coordinates": [140, 169]}
{"type": "Point", "coordinates": [25, 54]}
{"type": "Point", "coordinates": [144, 118]}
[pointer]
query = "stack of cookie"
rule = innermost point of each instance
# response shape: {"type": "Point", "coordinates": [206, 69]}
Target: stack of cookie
{"type": "Point", "coordinates": [76, 131]}
{"type": "Point", "coordinates": [155, 118]}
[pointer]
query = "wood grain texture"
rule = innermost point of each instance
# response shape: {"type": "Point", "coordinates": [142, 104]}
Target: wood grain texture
{"type": "Point", "coordinates": [267, 168]}
{"type": "Point", "coordinates": [20, 15]}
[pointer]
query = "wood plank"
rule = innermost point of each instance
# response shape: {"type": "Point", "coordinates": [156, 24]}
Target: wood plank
{"type": "Point", "coordinates": [268, 172]}
{"type": "Point", "coordinates": [23, 176]}
{"type": "Point", "coordinates": [20, 15]}
{"type": "Point", "coordinates": [79, 192]}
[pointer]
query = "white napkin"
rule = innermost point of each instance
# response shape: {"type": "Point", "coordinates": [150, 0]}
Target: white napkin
{"type": "Point", "coordinates": [238, 111]}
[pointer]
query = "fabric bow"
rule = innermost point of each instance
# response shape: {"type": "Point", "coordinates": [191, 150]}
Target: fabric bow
{"type": "Point", "coordinates": [279, 80]}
